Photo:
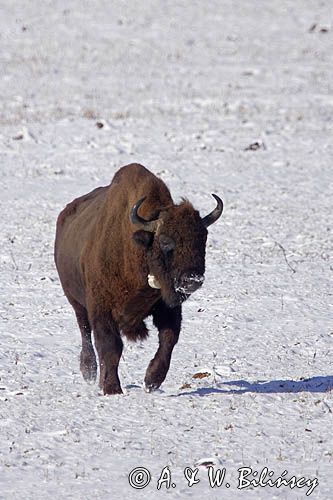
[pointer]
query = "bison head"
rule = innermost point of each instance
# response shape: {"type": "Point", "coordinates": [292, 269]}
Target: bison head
{"type": "Point", "coordinates": [175, 244]}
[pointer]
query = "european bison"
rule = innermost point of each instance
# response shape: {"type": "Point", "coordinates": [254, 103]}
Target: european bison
{"type": "Point", "coordinates": [124, 252]}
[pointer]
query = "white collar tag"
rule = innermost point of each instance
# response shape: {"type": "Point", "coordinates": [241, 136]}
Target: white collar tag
{"type": "Point", "coordinates": [153, 282]}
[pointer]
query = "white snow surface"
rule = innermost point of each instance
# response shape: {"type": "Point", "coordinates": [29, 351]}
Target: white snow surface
{"type": "Point", "coordinates": [183, 88]}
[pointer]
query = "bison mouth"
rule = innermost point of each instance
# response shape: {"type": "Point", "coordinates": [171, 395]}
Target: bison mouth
{"type": "Point", "coordinates": [183, 289]}
{"type": "Point", "coordinates": [188, 283]}
{"type": "Point", "coordinates": [177, 290]}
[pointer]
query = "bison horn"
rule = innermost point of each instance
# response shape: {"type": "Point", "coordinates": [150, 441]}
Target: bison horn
{"type": "Point", "coordinates": [215, 214]}
{"type": "Point", "coordinates": [146, 225]}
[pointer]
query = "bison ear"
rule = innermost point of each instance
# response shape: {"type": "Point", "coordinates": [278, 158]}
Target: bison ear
{"type": "Point", "coordinates": [143, 238]}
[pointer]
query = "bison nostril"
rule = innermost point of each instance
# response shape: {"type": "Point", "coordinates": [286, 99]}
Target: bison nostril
{"type": "Point", "coordinates": [188, 283]}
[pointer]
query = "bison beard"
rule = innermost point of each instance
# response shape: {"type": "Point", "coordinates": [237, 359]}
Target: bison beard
{"type": "Point", "coordinates": [107, 244]}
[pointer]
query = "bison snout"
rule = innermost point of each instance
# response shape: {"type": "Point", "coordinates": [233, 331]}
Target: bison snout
{"type": "Point", "coordinates": [189, 282]}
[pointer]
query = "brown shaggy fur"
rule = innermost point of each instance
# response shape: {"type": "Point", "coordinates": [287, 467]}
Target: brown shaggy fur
{"type": "Point", "coordinates": [103, 262]}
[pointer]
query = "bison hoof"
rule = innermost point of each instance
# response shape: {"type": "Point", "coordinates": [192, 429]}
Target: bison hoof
{"type": "Point", "coordinates": [89, 375]}
{"type": "Point", "coordinates": [109, 389]}
{"type": "Point", "coordinates": [155, 375]}
{"type": "Point", "coordinates": [151, 387]}
{"type": "Point", "coordinates": [88, 367]}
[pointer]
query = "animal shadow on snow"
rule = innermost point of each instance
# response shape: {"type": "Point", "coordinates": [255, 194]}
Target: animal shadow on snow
{"type": "Point", "coordinates": [313, 384]}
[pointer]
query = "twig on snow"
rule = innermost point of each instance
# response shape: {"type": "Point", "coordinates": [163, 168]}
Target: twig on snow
{"type": "Point", "coordinates": [285, 255]}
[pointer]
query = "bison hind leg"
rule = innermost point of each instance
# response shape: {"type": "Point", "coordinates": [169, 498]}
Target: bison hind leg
{"type": "Point", "coordinates": [136, 332]}
{"type": "Point", "coordinates": [88, 363]}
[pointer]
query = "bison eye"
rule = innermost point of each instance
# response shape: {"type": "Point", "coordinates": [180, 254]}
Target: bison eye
{"type": "Point", "coordinates": [143, 238]}
{"type": "Point", "coordinates": [167, 244]}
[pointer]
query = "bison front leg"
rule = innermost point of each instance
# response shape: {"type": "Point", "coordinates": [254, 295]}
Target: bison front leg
{"type": "Point", "coordinates": [109, 347]}
{"type": "Point", "coordinates": [168, 322]}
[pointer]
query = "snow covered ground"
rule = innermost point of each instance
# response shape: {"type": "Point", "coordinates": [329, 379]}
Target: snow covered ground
{"type": "Point", "coordinates": [229, 97]}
